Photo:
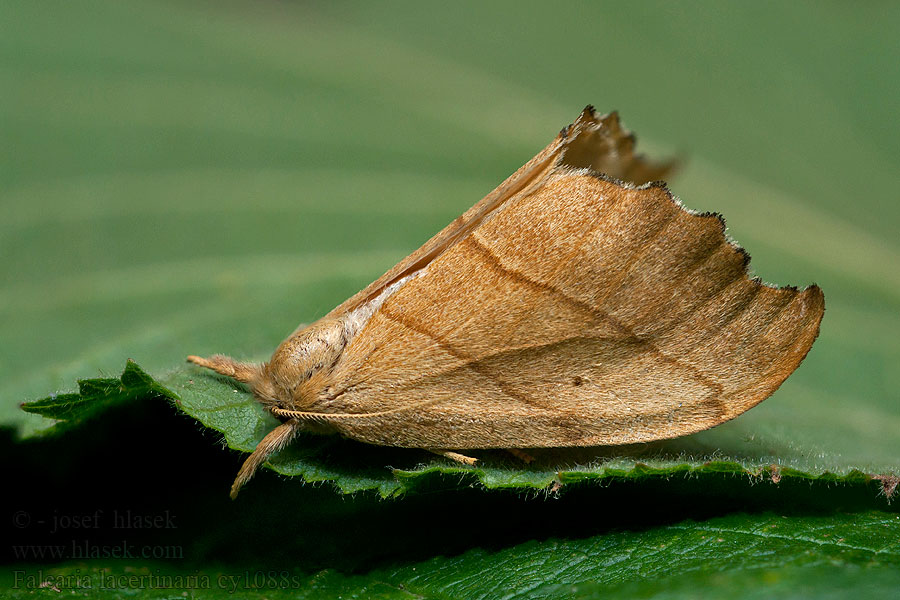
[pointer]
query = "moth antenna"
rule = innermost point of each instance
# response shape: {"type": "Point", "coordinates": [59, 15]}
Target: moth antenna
{"type": "Point", "coordinates": [225, 365]}
{"type": "Point", "coordinates": [276, 439]}
{"type": "Point", "coordinates": [322, 416]}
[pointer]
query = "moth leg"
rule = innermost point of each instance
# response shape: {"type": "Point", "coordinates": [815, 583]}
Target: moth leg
{"type": "Point", "coordinates": [521, 455]}
{"type": "Point", "coordinates": [461, 458]}
{"type": "Point", "coordinates": [276, 439]}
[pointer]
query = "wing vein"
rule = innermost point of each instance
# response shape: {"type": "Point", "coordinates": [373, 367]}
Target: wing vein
{"type": "Point", "coordinates": [627, 333]}
{"type": "Point", "coordinates": [468, 360]}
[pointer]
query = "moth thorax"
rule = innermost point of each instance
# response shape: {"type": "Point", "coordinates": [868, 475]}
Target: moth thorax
{"type": "Point", "coordinates": [304, 358]}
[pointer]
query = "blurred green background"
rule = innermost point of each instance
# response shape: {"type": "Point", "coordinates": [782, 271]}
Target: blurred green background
{"type": "Point", "coordinates": [184, 177]}
{"type": "Point", "coordinates": [200, 177]}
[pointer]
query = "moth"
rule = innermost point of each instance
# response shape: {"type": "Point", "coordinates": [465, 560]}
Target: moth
{"type": "Point", "coordinates": [577, 304]}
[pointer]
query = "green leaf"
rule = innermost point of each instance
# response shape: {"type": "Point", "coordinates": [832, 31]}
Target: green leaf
{"type": "Point", "coordinates": [225, 406]}
{"type": "Point", "coordinates": [745, 555]}
{"type": "Point", "coordinates": [735, 543]}
{"type": "Point", "coordinates": [97, 395]}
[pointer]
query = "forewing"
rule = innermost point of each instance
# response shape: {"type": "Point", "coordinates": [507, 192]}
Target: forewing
{"type": "Point", "coordinates": [586, 312]}
{"type": "Point", "coordinates": [593, 141]}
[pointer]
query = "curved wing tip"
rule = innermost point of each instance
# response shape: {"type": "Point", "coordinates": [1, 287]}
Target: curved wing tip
{"type": "Point", "coordinates": [813, 291]}
{"type": "Point", "coordinates": [591, 114]}
{"type": "Point", "coordinates": [815, 299]}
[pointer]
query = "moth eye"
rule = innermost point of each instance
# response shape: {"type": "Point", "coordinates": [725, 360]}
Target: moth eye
{"type": "Point", "coordinates": [577, 380]}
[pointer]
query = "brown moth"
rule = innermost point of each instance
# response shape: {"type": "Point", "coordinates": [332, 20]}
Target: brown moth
{"type": "Point", "coordinates": [578, 304]}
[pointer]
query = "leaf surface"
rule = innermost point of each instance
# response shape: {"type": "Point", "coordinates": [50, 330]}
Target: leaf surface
{"type": "Point", "coordinates": [751, 556]}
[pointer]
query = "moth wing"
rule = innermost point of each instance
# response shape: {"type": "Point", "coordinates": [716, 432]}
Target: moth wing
{"type": "Point", "coordinates": [593, 141]}
{"type": "Point", "coordinates": [587, 312]}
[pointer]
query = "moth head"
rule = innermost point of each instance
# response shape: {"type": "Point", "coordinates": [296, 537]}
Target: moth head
{"type": "Point", "coordinates": [253, 375]}
{"type": "Point", "coordinates": [258, 377]}
{"type": "Point", "coordinates": [293, 371]}
{"type": "Point", "coordinates": [297, 369]}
